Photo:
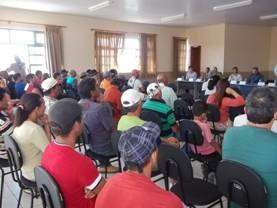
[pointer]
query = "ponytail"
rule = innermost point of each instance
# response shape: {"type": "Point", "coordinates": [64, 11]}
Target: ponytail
{"type": "Point", "coordinates": [28, 103]}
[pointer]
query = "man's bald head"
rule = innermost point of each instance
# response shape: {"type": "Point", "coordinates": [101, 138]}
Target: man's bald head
{"type": "Point", "coordinates": [162, 78]}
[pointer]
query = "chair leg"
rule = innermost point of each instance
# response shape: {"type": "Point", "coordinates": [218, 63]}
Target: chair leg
{"type": "Point", "coordinates": [119, 166]}
{"type": "Point", "coordinates": [106, 171]}
{"type": "Point", "coordinates": [32, 198]}
{"type": "Point", "coordinates": [2, 186]}
{"type": "Point", "coordinates": [19, 199]}
{"type": "Point", "coordinates": [166, 183]}
{"type": "Point", "coordinates": [221, 203]}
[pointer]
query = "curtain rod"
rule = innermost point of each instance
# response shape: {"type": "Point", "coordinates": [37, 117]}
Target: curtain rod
{"type": "Point", "coordinates": [30, 23]}
{"type": "Point", "coordinates": [111, 31]}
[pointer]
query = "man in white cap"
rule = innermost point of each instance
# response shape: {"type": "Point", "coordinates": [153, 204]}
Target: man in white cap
{"type": "Point", "coordinates": [131, 101]}
{"type": "Point", "coordinates": [51, 90]}
{"type": "Point", "coordinates": [158, 105]}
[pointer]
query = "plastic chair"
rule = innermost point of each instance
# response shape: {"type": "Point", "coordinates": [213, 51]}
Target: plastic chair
{"type": "Point", "coordinates": [16, 162]}
{"type": "Point", "coordinates": [48, 188]}
{"type": "Point", "coordinates": [149, 115]}
{"type": "Point", "coordinates": [181, 110]}
{"type": "Point", "coordinates": [241, 185]}
{"type": "Point", "coordinates": [175, 164]}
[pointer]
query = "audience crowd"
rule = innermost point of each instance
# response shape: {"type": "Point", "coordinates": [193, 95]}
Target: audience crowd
{"type": "Point", "coordinates": [47, 116]}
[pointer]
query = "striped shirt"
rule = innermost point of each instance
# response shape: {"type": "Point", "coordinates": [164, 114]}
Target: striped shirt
{"type": "Point", "coordinates": [6, 128]}
{"type": "Point", "coordinates": [166, 114]}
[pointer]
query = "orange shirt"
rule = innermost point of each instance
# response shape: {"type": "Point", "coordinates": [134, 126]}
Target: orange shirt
{"type": "Point", "coordinates": [112, 95]}
{"type": "Point", "coordinates": [225, 105]}
{"type": "Point", "coordinates": [105, 84]}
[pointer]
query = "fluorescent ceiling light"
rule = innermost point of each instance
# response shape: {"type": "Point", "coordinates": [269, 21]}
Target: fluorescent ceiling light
{"type": "Point", "coordinates": [101, 5]}
{"type": "Point", "coordinates": [268, 17]}
{"type": "Point", "coordinates": [173, 18]}
{"type": "Point", "coordinates": [233, 5]}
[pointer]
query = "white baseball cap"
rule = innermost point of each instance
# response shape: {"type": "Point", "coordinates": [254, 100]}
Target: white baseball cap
{"type": "Point", "coordinates": [48, 84]}
{"type": "Point", "coordinates": [131, 97]}
{"type": "Point", "coordinates": [153, 89]}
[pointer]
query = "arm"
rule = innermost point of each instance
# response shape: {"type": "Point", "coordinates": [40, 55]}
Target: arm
{"type": "Point", "coordinates": [237, 101]}
{"type": "Point", "coordinates": [208, 135]}
{"type": "Point", "coordinates": [105, 117]}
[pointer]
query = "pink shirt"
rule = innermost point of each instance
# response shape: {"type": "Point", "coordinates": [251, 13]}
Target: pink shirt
{"type": "Point", "coordinates": [225, 105]}
{"type": "Point", "coordinates": [206, 148]}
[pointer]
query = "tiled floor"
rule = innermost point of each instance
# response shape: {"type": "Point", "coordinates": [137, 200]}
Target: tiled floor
{"type": "Point", "coordinates": [11, 192]}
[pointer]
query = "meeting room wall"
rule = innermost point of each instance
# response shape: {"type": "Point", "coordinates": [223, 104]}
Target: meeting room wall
{"type": "Point", "coordinates": [273, 49]}
{"type": "Point", "coordinates": [247, 46]}
{"type": "Point", "coordinates": [78, 37]}
{"type": "Point", "coordinates": [212, 41]}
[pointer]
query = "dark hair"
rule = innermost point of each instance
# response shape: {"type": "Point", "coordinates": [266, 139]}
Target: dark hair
{"type": "Point", "coordinates": [64, 71]}
{"type": "Point", "coordinates": [132, 108]}
{"type": "Point", "coordinates": [56, 75]}
{"type": "Point", "coordinates": [17, 76]}
{"type": "Point", "coordinates": [220, 93]}
{"type": "Point", "coordinates": [29, 77]}
{"type": "Point", "coordinates": [116, 81]}
{"type": "Point", "coordinates": [45, 76]}
{"type": "Point", "coordinates": [199, 107]}
{"type": "Point", "coordinates": [2, 93]}
{"type": "Point", "coordinates": [38, 72]}
{"type": "Point", "coordinates": [86, 86]}
{"type": "Point", "coordinates": [261, 105]}
{"type": "Point", "coordinates": [27, 104]}
{"type": "Point", "coordinates": [113, 73]}
{"type": "Point", "coordinates": [213, 81]}
{"type": "Point", "coordinates": [236, 68]}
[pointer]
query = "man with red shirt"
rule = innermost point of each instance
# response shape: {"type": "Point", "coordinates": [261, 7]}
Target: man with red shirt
{"type": "Point", "coordinates": [134, 188]}
{"type": "Point", "coordinates": [75, 174]}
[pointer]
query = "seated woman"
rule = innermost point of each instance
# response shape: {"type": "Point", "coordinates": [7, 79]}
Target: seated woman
{"type": "Point", "coordinates": [225, 97]}
{"type": "Point", "coordinates": [29, 135]}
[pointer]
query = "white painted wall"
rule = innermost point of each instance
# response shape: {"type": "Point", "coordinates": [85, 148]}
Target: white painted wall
{"type": "Point", "coordinates": [78, 38]}
{"type": "Point", "coordinates": [212, 41]}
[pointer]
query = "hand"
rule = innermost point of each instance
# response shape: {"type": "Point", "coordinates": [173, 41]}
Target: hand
{"type": "Point", "coordinates": [229, 91]}
{"type": "Point", "coordinates": [89, 194]}
{"type": "Point", "coordinates": [45, 120]}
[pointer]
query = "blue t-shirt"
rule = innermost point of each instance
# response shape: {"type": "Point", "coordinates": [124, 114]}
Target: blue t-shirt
{"type": "Point", "coordinates": [19, 89]}
{"type": "Point", "coordinates": [257, 149]}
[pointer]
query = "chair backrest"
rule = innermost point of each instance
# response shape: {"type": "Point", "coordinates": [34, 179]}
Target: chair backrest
{"type": "Point", "coordinates": [241, 184]}
{"type": "Point", "coordinates": [115, 139]}
{"type": "Point", "coordinates": [48, 188]}
{"type": "Point", "coordinates": [174, 163]}
{"type": "Point", "coordinates": [213, 113]}
{"type": "Point", "coordinates": [181, 110]}
{"type": "Point", "coordinates": [190, 132]}
{"type": "Point", "coordinates": [14, 153]}
{"type": "Point", "coordinates": [149, 115]}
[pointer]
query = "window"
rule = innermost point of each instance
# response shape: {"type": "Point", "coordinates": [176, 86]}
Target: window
{"type": "Point", "coordinates": [129, 55]}
{"type": "Point", "coordinates": [28, 45]}
{"type": "Point", "coordinates": [181, 56]}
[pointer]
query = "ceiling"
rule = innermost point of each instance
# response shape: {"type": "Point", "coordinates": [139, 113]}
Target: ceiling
{"type": "Point", "coordinates": [198, 12]}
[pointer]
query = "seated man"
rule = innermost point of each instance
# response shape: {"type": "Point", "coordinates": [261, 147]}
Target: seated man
{"type": "Point", "coordinates": [168, 94]}
{"type": "Point", "coordinates": [99, 123]}
{"type": "Point", "coordinates": [255, 77]}
{"type": "Point", "coordinates": [235, 76]}
{"type": "Point", "coordinates": [158, 105]}
{"type": "Point", "coordinates": [134, 82]}
{"type": "Point", "coordinates": [139, 149]}
{"type": "Point", "coordinates": [6, 125]}
{"type": "Point", "coordinates": [255, 145]}
{"type": "Point", "coordinates": [106, 82]}
{"type": "Point", "coordinates": [210, 148]}
{"type": "Point", "coordinates": [112, 96]}
{"type": "Point", "coordinates": [191, 74]}
{"type": "Point", "coordinates": [51, 90]}
{"type": "Point", "coordinates": [75, 174]}
{"type": "Point", "coordinates": [131, 101]}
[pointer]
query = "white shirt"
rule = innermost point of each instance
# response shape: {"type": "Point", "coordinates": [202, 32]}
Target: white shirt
{"type": "Point", "coordinates": [242, 120]}
{"type": "Point", "coordinates": [48, 103]}
{"type": "Point", "coordinates": [32, 141]}
{"type": "Point", "coordinates": [207, 91]}
{"type": "Point", "coordinates": [235, 77]}
{"type": "Point", "coordinates": [134, 83]}
{"type": "Point", "coordinates": [191, 75]}
{"type": "Point", "coordinates": [168, 95]}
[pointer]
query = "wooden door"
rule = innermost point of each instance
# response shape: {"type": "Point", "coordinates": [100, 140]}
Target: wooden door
{"type": "Point", "coordinates": [195, 58]}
